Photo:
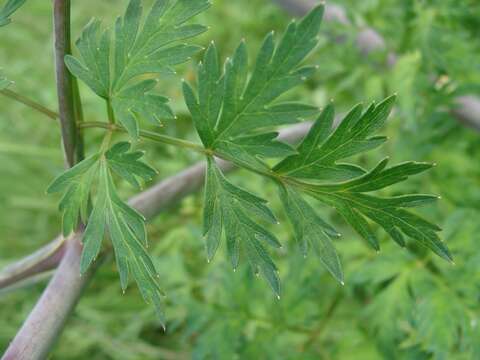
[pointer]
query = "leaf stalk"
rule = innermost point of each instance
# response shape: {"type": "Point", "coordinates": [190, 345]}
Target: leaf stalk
{"type": "Point", "coordinates": [165, 139]}
{"type": "Point", "coordinates": [29, 103]}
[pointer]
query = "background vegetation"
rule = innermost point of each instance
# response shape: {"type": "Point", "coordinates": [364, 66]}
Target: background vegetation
{"type": "Point", "coordinates": [395, 305]}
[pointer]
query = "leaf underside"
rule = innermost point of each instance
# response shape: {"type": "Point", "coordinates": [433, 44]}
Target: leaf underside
{"type": "Point", "coordinates": [228, 210]}
{"type": "Point", "coordinates": [109, 215]}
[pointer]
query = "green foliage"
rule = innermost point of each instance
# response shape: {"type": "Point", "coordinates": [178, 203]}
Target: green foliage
{"type": "Point", "coordinates": [315, 172]}
{"type": "Point", "coordinates": [138, 50]}
{"type": "Point", "coordinates": [422, 304]}
{"type": "Point", "coordinates": [110, 215]}
{"type": "Point", "coordinates": [394, 305]}
{"type": "Point", "coordinates": [232, 107]}
{"type": "Point", "coordinates": [316, 161]}
{"type": "Point", "coordinates": [227, 207]}
{"type": "Point", "coordinates": [5, 12]}
{"type": "Point", "coordinates": [311, 231]}
{"type": "Point", "coordinates": [8, 9]}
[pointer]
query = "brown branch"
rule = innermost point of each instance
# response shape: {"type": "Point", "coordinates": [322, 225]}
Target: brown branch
{"type": "Point", "coordinates": [44, 259]}
{"type": "Point", "coordinates": [467, 110]}
{"type": "Point", "coordinates": [41, 330]}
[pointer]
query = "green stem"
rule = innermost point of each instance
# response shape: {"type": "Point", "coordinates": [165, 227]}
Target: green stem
{"type": "Point", "coordinates": [174, 141]}
{"type": "Point", "coordinates": [65, 93]}
{"type": "Point", "coordinates": [106, 141]}
{"type": "Point", "coordinates": [30, 103]}
{"type": "Point", "coordinates": [77, 102]}
{"type": "Point", "coordinates": [165, 139]}
{"type": "Point", "coordinates": [110, 114]}
{"type": "Point", "coordinates": [149, 135]}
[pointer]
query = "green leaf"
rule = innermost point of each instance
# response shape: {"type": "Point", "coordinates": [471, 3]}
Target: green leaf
{"type": "Point", "coordinates": [151, 48]}
{"type": "Point", "coordinates": [127, 164]}
{"type": "Point", "coordinates": [76, 185]}
{"type": "Point", "coordinates": [126, 229]}
{"type": "Point", "coordinates": [136, 102]}
{"type": "Point", "coordinates": [232, 111]}
{"type": "Point", "coordinates": [351, 201]}
{"type": "Point", "coordinates": [8, 9]}
{"type": "Point", "coordinates": [438, 334]}
{"type": "Point", "coordinates": [321, 149]}
{"type": "Point", "coordinates": [94, 48]}
{"type": "Point", "coordinates": [311, 231]}
{"type": "Point", "coordinates": [248, 151]}
{"type": "Point", "coordinates": [228, 207]}
{"type": "Point", "coordinates": [264, 145]}
{"type": "Point", "coordinates": [105, 213]}
{"type": "Point", "coordinates": [314, 170]}
{"type": "Point", "coordinates": [231, 105]}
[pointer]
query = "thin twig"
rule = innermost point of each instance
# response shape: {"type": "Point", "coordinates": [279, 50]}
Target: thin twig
{"type": "Point", "coordinates": [147, 135]}
{"type": "Point", "coordinates": [30, 103]}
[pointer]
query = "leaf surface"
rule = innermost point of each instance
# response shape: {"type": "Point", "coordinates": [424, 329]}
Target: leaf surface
{"type": "Point", "coordinates": [90, 196]}
{"type": "Point", "coordinates": [227, 210]}
{"type": "Point", "coordinates": [232, 106]}
{"type": "Point", "coordinates": [322, 147]}
{"type": "Point", "coordinates": [112, 66]}
{"type": "Point", "coordinates": [8, 9]}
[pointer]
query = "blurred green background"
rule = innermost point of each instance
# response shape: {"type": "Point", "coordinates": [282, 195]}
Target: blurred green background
{"type": "Point", "coordinates": [395, 305]}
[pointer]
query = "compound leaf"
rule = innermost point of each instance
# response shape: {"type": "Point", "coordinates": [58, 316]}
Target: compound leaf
{"type": "Point", "coordinates": [352, 202]}
{"type": "Point", "coordinates": [105, 213]}
{"type": "Point", "coordinates": [344, 187]}
{"type": "Point", "coordinates": [231, 111]}
{"type": "Point", "coordinates": [230, 105]}
{"type": "Point", "coordinates": [321, 149]}
{"type": "Point", "coordinates": [137, 50]}
{"type": "Point", "coordinates": [76, 185]}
